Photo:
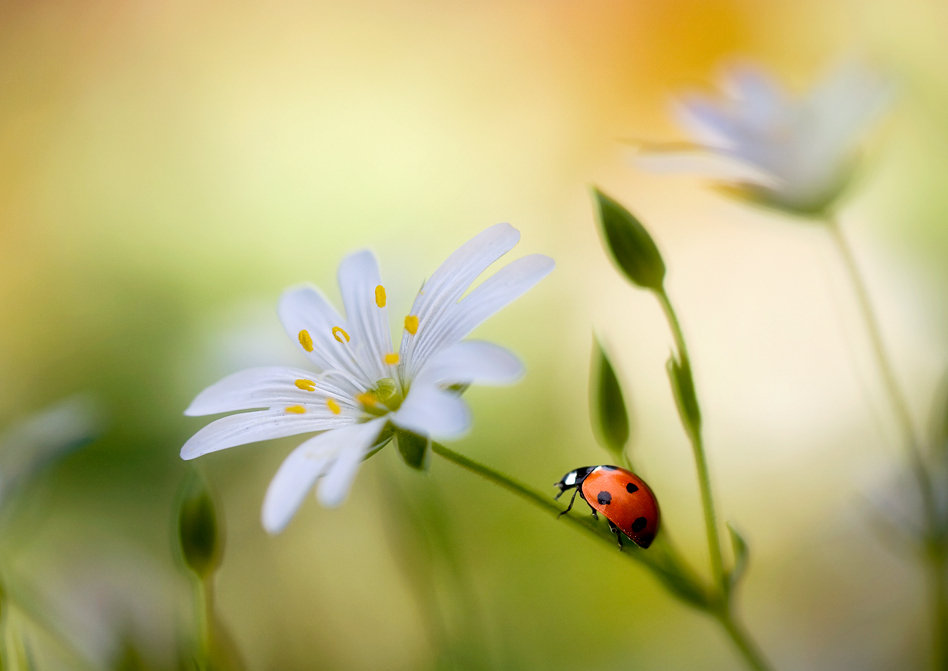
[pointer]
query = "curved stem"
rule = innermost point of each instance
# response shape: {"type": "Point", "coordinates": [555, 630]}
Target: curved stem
{"type": "Point", "coordinates": [717, 608]}
{"type": "Point", "coordinates": [934, 549]}
{"type": "Point", "coordinates": [697, 446]}
{"type": "Point", "coordinates": [663, 562]}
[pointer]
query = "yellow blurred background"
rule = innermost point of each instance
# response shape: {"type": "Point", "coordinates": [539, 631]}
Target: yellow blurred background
{"type": "Point", "coordinates": [166, 169]}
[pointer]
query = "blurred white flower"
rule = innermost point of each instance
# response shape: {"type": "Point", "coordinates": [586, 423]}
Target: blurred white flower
{"type": "Point", "coordinates": [793, 153]}
{"type": "Point", "coordinates": [362, 386]}
{"type": "Point", "coordinates": [41, 438]}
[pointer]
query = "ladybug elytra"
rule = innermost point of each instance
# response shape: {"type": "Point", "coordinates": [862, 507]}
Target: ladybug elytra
{"type": "Point", "coordinates": [622, 497]}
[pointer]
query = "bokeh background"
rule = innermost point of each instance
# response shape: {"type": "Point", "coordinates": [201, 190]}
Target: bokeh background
{"type": "Point", "coordinates": [166, 169]}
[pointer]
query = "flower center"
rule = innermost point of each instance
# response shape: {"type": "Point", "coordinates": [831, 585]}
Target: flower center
{"type": "Point", "coordinates": [382, 399]}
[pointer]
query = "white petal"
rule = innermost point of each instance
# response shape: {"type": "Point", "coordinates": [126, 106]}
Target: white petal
{"type": "Point", "coordinates": [434, 412]}
{"type": "Point", "coordinates": [507, 284]}
{"type": "Point", "coordinates": [305, 308]}
{"type": "Point", "coordinates": [358, 279]}
{"type": "Point", "coordinates": [465, 265]}
{"type": "Point", "coordinates": [358, 439]}
{"type": "Point", "coordinates": [709, 163]}
{"type": "Point", "coordinates": [471, 362]}
{"type": "Point", "coordinates": [250, 427]}
{"type": "Point", "coordinates": [453, 277]}
{"type": "Point", "coordinates": [304, 466]}
{"type": "Point", "coordinates": [707, 121]}
{"type": "Point", "coordinates": [758, 95]}
{"type": "Point", "coordinates": [261, 388]}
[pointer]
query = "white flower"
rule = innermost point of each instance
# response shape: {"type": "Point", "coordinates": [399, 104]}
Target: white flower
{"type": "Point", "coordinates": [42, 438]}
{"type": "Point", "coordinates": [362, 387]}
{"type": "Point", "coordinates": [794, 153]}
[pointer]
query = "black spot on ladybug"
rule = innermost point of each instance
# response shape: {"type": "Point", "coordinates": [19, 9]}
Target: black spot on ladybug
{"type": "Point", "coordinates": [604, 498]}
{"type": "Point", "coordinates": [645, 540]}
{"type": "Point", "coordinates": [631, 489]}
{"type": "Point", "coordinates": [639, 523]}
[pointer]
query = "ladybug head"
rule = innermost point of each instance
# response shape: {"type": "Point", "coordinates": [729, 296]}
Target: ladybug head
{"type": "Point", "coordinates": [573, 479]}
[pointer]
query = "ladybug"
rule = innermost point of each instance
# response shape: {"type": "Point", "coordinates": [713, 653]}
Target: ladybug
{"type": "Point", "coordinates": [620, 495]}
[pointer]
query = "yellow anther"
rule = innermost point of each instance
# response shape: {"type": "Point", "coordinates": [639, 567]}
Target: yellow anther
{"type": "Point", "coordinates": [380, 296]}
{"type": "Point", "coordinates": [295, 409]}
{"type": "Point", "coordinates": [306, 340]}
{"type": "Point", "coordinates": [367, 398]}
{"type": "Point", "coordinates": [339, 331]}
{"type": "Point", "coordinates": [411, 324]}
{"type": "Point", "coordinates": [306, 385]}
{"type": "Point", "coordinates": [391, 359]}
{"type": "Point", "coordinates": [333, 406]}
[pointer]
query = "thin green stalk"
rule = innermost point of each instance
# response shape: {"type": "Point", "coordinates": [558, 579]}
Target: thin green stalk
{"type": "Point", "coordinates": [934, 550]}
{"type": "Point", "coordinates": [740, 637]}
{"type": "Point", "coordinates": [204, 614]}
{"type": "Point", "coordinates": [701, 462]}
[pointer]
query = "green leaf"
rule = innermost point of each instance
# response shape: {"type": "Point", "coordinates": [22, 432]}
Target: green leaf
{"type": "Point", "coordinates": [610, 419]}
{"type": "Point", "coordinates": [741, 553]}
{"type": "Point", "coordinates": [199, 537]}
{"type": "Point", "coordinates": [631, 246]}
{"type": "Point", "coordinates": [413, 448]}
{"type": "Point", "coordinates": [683, 389]}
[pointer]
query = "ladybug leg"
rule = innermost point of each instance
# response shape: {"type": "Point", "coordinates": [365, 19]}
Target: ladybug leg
{"type": "Point", "coordinates": [595, 514]}
{"type": "Point", "coordinates": [618, 533]}
{"type": "Point", "coordinates": [570, 506]}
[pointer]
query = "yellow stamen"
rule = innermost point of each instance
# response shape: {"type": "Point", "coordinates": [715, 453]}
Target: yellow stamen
{"type": "Point", "coordinates": [333, 406]}
{"type": "Point", "coordinates": [411, 324]}
{"type": "Point", "coordinates": [295, 409]}
{"type": "Point", "coordinates": [306, 340]}
{"type": "Point", "coordinates": [306, 385]}
{"type": "Point", "coordinates": [367, 398]}
{"type": "Point", "coordinates": [337, 331]}
{"type": "Point", "coordinates": [380, 296]}
{"type": "Point", "coordinates": [391, 359]}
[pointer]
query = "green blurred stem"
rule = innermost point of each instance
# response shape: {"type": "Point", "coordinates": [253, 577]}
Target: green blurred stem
{"type": "Point", "coordinates": [748, 649]}
{"type": "Point", "coordinates": [204, 618]}
{"type": "Point", "coordinates": [697, 445]}
{"type": "Point", "coordinates": [935, 550]}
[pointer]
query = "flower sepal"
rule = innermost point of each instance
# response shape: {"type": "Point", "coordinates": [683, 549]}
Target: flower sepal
{"type": "Point", "coordinates": [414, 449]}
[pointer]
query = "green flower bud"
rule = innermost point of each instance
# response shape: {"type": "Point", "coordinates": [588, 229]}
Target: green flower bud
{"type": "Point", "coordinates": [413, 448]}
{"type": "Point", "coordinates": [610, 419]}
{"type": "Point", "coordinates": [199, 536]}
{"type": "Point", "coordinates": [631, 246]}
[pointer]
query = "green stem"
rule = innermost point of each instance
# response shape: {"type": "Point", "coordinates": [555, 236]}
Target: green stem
{"type": "Point", "coordinates": [204, 613]}
{"type": "Point", "coordinates": [935, 549]}
{"type": "Point", "coordinates": [697, 445]}
{"type": "Point", "coordinates": [742, 640]}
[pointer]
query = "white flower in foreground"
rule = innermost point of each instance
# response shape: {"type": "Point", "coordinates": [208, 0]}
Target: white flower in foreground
{"type": "Point", "coordinates": [361, 387]}
{"type": "Point", "coordinates": [793, 153]}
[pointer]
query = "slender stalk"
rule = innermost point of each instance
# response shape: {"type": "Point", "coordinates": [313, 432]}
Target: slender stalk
{"type": "Point", "coordinates": [719, 608]}
{"type": "Point", "coordinates": [934, 550]}
{"type": "Point", "coordinates": [204, 614]}
{"type": "Point", "coordinates": [697, 445]}
{"type": "Point", "coordinates": [741, 638]}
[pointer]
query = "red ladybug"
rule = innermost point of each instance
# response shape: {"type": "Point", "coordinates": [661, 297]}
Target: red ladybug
{"type": "Point", "coordinates": [620, 495]}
